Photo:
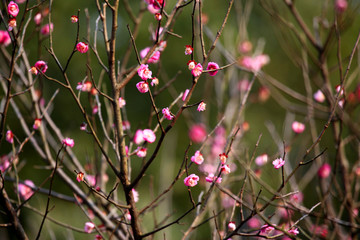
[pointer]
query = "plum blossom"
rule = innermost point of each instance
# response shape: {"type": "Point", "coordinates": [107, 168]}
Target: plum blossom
{"type": "Point", "coordinates": [254, 64]}
{"type": "Point", "coordinates": [197, 70]}
{"type": "Point", "coordinates": [211, 178]}
{"type": "Point", "coordinates": [40, 66]}
{"type": "Point", "coordinates": [225, 169]}
{"type": "Point", "coordinates": [135, 195]}
{"type": "Point", "coordinates": [254, 222]}
{"type": "Point", "coordinates": [84, 87]}
{"type": "Point", "coordinates": [231, 226]}
{"type": "Point", "coordinates": [212, 66]}
{"type": "Point", "coordinates": [245, 47]}
{"type": "Point", "coordinates": [89, 227]}
{"type": "Point", "coordinates": [4, 163]}
{"type": "Point", "coordinates": [142, 86]}
{"type": "Point", "coordinates": [154, 57]}
{"type": "Point", "coordinates": [46, 29]}
{"type": "Point", "coordinates": [319, 96]}
{"type": "Point", "coordinates": [126, 125]}
{"type": "Point", "coordinates": [149, 135]}
{"type": "Point", "coordinates": [82, 47]}
{"type": "Point", "coordinates": [95, 109]}
{"type": "Point", "coordinates": [122, 102]}
{"type": "Point", "coordinates": [13, 9]}
{"type": "Point", "coordinates": [167, 114]}
{"type": "Point", "coordinates": [25, 190]}
{"type": "Point", "coordinates": [91, 179]}
{"type": "Point", "coordinates": [154, 81]}
{"type": "Point", "coordinates": [264, 94]}
{"type": "Point", "coordinates": [201, 107]}
{"type": "Point", "coordinates": [223, 157]}
{"type": "Point", "coordinates": [191, 180]}
{"type": "Point", "coordinates": [197, 133]}
{"type": "Point", "coordinates": [11, 24]}
{"type": "Point", "coordinates": [278, 163]}
{"type": "Point", "coordinates": [197, 158]}
{"type": "Point", "coordinates": [141, 152]}
{"type": "Point", "coordinates": [37, 123]}
{"type": "Point", "coordinates": [191, 64]}
{"type": "Point", "coordinates": [9, 136]}
{"type": "Point", "coordinates": [4, 38]}
{"type": "Point", "coordinates": [297, 197]}
{"type": "Point", "coordinates": [38, 18]}
{"type": "Point", "coordinates": [298, 127]}
{"type": "Point", "coordinates": [324, 171]}
{"type": "Point", "coordinates": [243, 85]}
{"type": "Point", "coordinates": [185, 94]}
{"type": "Point", "coordinates": [294, 231]}
{"type": "Point", "coordinates": [20, 1]}
{"type": "Point", "coordinates": [341, 5]}
{"type": "Point", "coordinates": [74, 19]}
{"type": "Point", "coordinates": [188, 50]}
{"type": "Point", "coordinates": [68, 142]}
{"type": "Point", "coordinates": [80, 177]}
{"type": "Point", "coordinates": [261, 160]}
{"type": "Point", "coordinates": [266, 229]}
{"type": "Point", "coordinates": [144, 72]}
{"type": "Point", "coordinates": [139, 137]}
{"type": "Point", "coordinates": [157, 16]}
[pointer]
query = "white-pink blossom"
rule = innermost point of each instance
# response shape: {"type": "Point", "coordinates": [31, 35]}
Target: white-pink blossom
{"type": "Point", "coordinates": [191, 180]}
{"type": "Point", "coordinates": [197, 158]}
{"type": "Point", "coordinates": [149, 135]}
{"type": "Point", "coordinates": [144, 72]}
{"type": "Point", "coordinates": [167, 114]}
{"type": "Point", "coordinates": [278, 163]}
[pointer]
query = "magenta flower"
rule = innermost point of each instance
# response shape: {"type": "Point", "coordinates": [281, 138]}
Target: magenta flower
{"type": "Point", "coordinates": [37, 123]}
{"type": "Point", "coordinates": [324, 171]}
{"type": "Point", "coordinates": [211, 178]}
{"type": "Point", "coordinates": [149, 135]}
{"type": "Point", "coordinates": [135, 195]}
{"type": "Point", "coordinates": [82, 47]}
{"type": "Point", "coordinates": [4, 163]}
{"type": "Point", "coordinates": [74, 19]}
{"type": "Point", "coordinates": [278, 163]}
{"type": "Point", "coordinates": [154, 81]}
{"type": "Point", "coordinates": [20, 1]}
{"type": "Point", "coordinates": [144, 72]}
{"type": "Point", "coordinates": [298, 127]}
{"type": "Point", "coordinates": [122, 102]}
{"type": "Point", "coordinates": [9, 136]}
{"type": "Point", "coordinates": [212, 66]}
{"type": "Point", "coordinates": [188, 50]}
{"type": "Point", "coordinates": [191, 64]}
{"type": "Point", "coordinates": [225, 169]}
{"type": "Point", "coordinates": [89, 227]}
{"type": "Point", "coordinates": [167, 114]}
{"type": "Point", "coordinates": [25, 190]}
{"type": "Point", "coordinates": [157, 16]}
{"type": "Point", "coordinates": [197, 70]}
{"type": "Point", "coordinates": [95, 109]}
{"type": "Point", "coordinates": [141, 152]}
{"type": "Point", "coordinates": [201, 107]}
{"type": "Point", "coordinates": [319, 96]}
{"type": "Point", "coordinates": [154, 57]}
{"type": "Point", "coordinates": [185, 94]}
{"type": "Point", "coordinates": [261, 160]}
{"type": "Point", "coordinates": [4, 38]}
{"type": "Point", "coordinates": [91, 179]}
{"type": "Point", "coordinates": [197, 133]}
{"type": "Point", "coordinates": [254, 222]}
{"type": "Point", "coordinates": [191, 180]}
{"type": "Point", "coordinates": [139, 137]}
{"type": "Point", "coordinates": [142, 86]}
{"type": "Point", "coordinates": [80, 177]}
{"type": "Point", "coordinates": [13, 9]}
{"type": "Point", "coordinates": [39, 66]}
{"type": "Point", "coordinates": [197, 158]}
{"type": "Point", "coordinates": [231, 226]}
{"type": "Point", "coordinates": [68, 142]}
{"type": "Point", "coordinates": [46, 29]}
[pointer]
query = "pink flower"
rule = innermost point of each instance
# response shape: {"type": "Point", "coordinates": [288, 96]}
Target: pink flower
{"type": "Point", "coordinates": [157, 4]}
{"type": "Point", "coordinates": [4, 38]}
{"type": "Point", "coordinates": [142, 86]}
{"type": "Point", "coordinates": [144, 72]}
{"type": "Point", "coordinates": [20, 1]}
{"type": "Point", "coordinates": [149, 135]}
{"type": "Point", "coordinates": [85, 87]}
{"type": "Point", "coordinates": [266, 229]}
{"type": "Point", "coordinates": [197, 70]}
{"type": "Point", "coordinates": [37, 123]}
{"type": "Point", "coordinates": [261, 160]}
{"type": "Point", "coordinates": [25, 190]}
{"type": "Point", "coordinates": [154, 57]}
{"type": "Point", "coordinates": [141, 152]}
{"type": "Point", "coordinates": [154, 81]}
{"type": "Point", "coordinates": [74, 19]}
{"type": "Point", "coordinates": [197, 133]}
{"type": "Point", "coordinates": [126, 125]}
{"type": "Point", "coordinates": [297, 197]}
{"type": "Point", "coordinates": [139, 137]}
{"type": "Point", "coordinates": [80, 177]}
{"type": "Point", "coordinates": [211, 178]}
{"type": "Point", "coordinates": [82, 47]}
{"type": "Point", "coordinates": [278, 163]}
{"type": "Point", "coordinates": [13, 9]}
{"type": "Point", "coordinates": [245, 47]}
{"type": "Point", "coordinates": [4, 163]}
{"type": "Point", "coordinates": [11, 24]}
{"type": "Point", "coordinates": [298, 127]}
{"type": "Point", "coordinates": [167, 114]}
{"type": "Point", "coordinates": [191, 64]}
{"type": "Point", "coordinates": [188, 50]}
{"type": "Point", "coordinates": [39, 66]}
{"type": "Point", "coordinates": [191, 180]}
{"type": "Point", "coordinates": [225, 169]}
{"type": "Point", "coordinates": [264, 94]}
{"type": "Point", "coordinates": [294, 231]}
{"type": "Point", "coordinates": [223, 158]}
{"type": "Point", "coordinates": [122, 102]}
{"type": "Point", "coordinates": [254, 222]}
{"type": "Point", "coordinates": [46, 29]}
{"type": "Point", "coordinates": [324, 171]}
{"type": "Point", "coordinates": [135, 195]}
{"type": "Point", "coordinates": [197, 158]}
{"type": "Point", "coordinates": [89, 227]}
{"type": "Point", "coordinates": [68, 142]}
{"type": "Point", "coordinates": [319, 96]}
{"type": "Point", "coordinates": [254, 63]}
{"type": "Point", "coordinates": [201, 107]}
{"type": "Point", "coordinates": [9, 136]}
{"type": "Point", "coordinates": [38, 18]}
{"type": "Point", "coordinates": [91, 179]}
{"type": "Point", "coordinates": [341, 5]}
{"type": "Point", "coordinates": [231, 226]}
{"type": "Point", "coordinates": [95, 109]}
{"type": "Point", "coordinates": [185, 94]}
{"type": "Point", "coordinates": [158, 16]}
{"type": "Point", "coordinates": [212, 66]}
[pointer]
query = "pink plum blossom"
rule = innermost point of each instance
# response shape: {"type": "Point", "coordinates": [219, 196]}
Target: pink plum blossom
{"type": "Point", "coordinates": [294, 231]}
{"type": "Point", "coordinates": [297, 197]}
{"type": "Point", "coordinates": [89, 227]}
{"type": "Point", "coordinates": [266, 229]}
{"type": "Point", "coordinates": [135, 195]}
{"type": "Point", "coordinates": [126, 125]}
{"type": "Point", "coordinates": [11, 24]}
{"type": "Point", "coordinates": [9, 136]}
{"type": "Point", "coordinates": [298, 127]}
{"type": "Point", "coordinates": [149, 135]}
{"type": "Point", "coordinates": [188, 50]}
{"type": "Point", "coordinates": [264, 93]}
{"type": "Point", "coordinates": [278, 163]}
{"type": "Point", "coordinates": [46, 29]}
{"type": "Point", "coordinates": [158, 16]}
{"type": "Point", "coordinates": [225, 169]}
{"type": "Point", "coordinates": [254, 64]}
{"type": "Point", "coordinates": [20, 1]}
{"type": "Point", "coordinates": [191, 64]}
{"type": "Point", "coordinates": [231, 226]}
{"type": "Point", "coordinates": [197, 158]}
{"type": "Point", "coordinates": [84, 87]}
{"type": "Point", "coordinates": [197, 133]}
{"type": "Point", "coordinates": [324, 171]}
{"type": "Point", "coordinates": [4, 163]}
{"type": "Point", "coordinates": [212, 66]}
{"type": "Point", "coordinates": [167, 114]}
{"type": "Point", "coordinates": [191, 180]}
{"type": "Point", "coordinates": [319, 96]}
{"type": "Point", "coordinates": [139, 137]}
{"type": "Point", "coordinates": [201, 107]}
{"type": "Point", "coordinates": [341, 5]}
{"type": "Point", "coordinates": [197, 70]}
{"type": "Point", "coordinates": [211, 178]}
{"type": "Point", "coordinates": [154, 81]}
{"type": "Point", "coordinates": [91, 179]}
{"type": "Point", "coordinates": [82, 47]}
{"type": "Point", "coordinates": [74, 19]}
{"type": "Point", "coordinates": [122, 102]}
{"type": "Point", "coordinates": [142, 86]}
{"type": "Point", "coordinates": [40, 66]}
{"type": "Point", "coordinates": [185, 94]}
{"type": "Point", "coordinates": [25, 190]}
{"type": "Point", "coordinates": [144, 72]}
{"type": "Point", "coordinates": [245, 47]}
{"type": "Point", "coordinates": [261, 160]}
{"type": "Point", "coordinates": [4, 38]}
{"type": "Point", "coordinates": [254, 222]}
{"type": "Point", "coordinates": [13, 9]}
{"type": "Point", "coordinates": [244, 85]}
{"type": "Point", "coordinates": [80, 177]}
{"type": "Point", "coordinates": [38, 18]}
{"type": "Point", "coordinates": [68, 142]}
{"type": "Point", "coordinates": [37, 123]}
{"type": "Point", "coordinates": [154, 57]}
{"type": "Point", "coordinates": [95, 109]}
{"type": "Point", "coordinates": [223, 157]}
{"type": "Point", "coordinates": [141, 152]}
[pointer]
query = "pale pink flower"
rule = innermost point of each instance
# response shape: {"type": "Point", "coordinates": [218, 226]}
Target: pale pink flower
{"type": "Point", "coordinates": [341, 5]}
{"type": "Point", "coordinates": [185, 94]}
{"type": "Point", "coordinates": [231, 226]}
{"type": "Point", "coordinates": [278, 163]}
{"type": "Point", "coordinates": [191, 180]}
{"type": "Point", "coordinates": [39, 66]}
{"type": "Point", "coordinates": [13, 9]}
{"type": "Point", "coordinates": [128, 216]}
{"type": "Point", "coordinates": [211, 178]}
{"type": "Point", "coordinates": [324, 171]}
{"type": "Point", "coordinates": [89, 227]}
{"type": "Point", "coordinates": [245, 47]}
{"type": "Point", "coordinates": [139, 137]}
{"type": "Point", "coordinates": [197, 133]}
{"type": "Point", "coordinates": [294, 231]}
{"type": "Point", "coordinates": [154, 34]}
{"type": "Point", "coordinates": [74, 19]}
{"type": "Point", "coordinates": [84, 87]}
{"type": "Point", "coordinates": [212, 66]}
{"type": "Point", "coordinates": [197, 158]}
{"type": "Point", "coordinates": [142, 86]}
{"type": "Point", "coordinates": [9, 136]}
{"type": "Point", "coordinates": [154, 57]}
{"type": "Point", "coordinates": [82, 47]}
{"type": "Point", "coordinates": [38, 18]}
{"type": "Point", "coordinates": [298, 127]}
{"type": "Point", "coordinates": [80, 177]}
{"type": "Point", "coordinates": [191, 64]}
{"type": "Point", "coordinates": [266, 229]}
{"type": "Point", "coordinates": [319, 96]}
{"type": "Point", "coordinates": [339, 89]}
{"type": "Point", "coordinates": [91, 179]}
{"type": "Point", "coordinates": [4, 163]}
{"type": "Point", "coordinates": [122, 102]}
{"type": "Point", "coordinates": [167, 114]}
{"type": "Point", "coordinates": [4, 38]}
{"type": "Point", "coordinates": [207, 168]}
{"type": "Point", "coordinates": [297, 197]}
{"type": "Point", "coordinates": [95, 109]}
{"type": "Point", "coordinates": [154, 81]}
{"type": "Point", "coordinates": [254, 63]}
{"type": "Point", "coordinates": [68, 142]}
{"type": "Point", "coordinates": [37, 123]}
{"type": "Point", "coordinates": [152, 10]}
{"type": "Point", "coordinates": [188, 50]}
{"type": "Point", "coordinates": [223, 157]}
{"type": "Point", "coordinates": [141, 152]}
{"type": "Point", "coordinates": [197, 70]}
{"type": "Point", "coordinates": [225, 169]}
{"type": "Point", "coordinates": [244, 85]}
{"type": "Point", "coordinates": [227, 201]}
{"type": "Point", "coordinates": [144, 72]}
{"type": "Point", "coordinates": [135, 195]}
{"type": "Point", "coordinates": [261, 160]}
{"type": "Point", "coordinates": [149, 135]}
{"type": "Point", "coordinates": [201, 107]}
{"type": "Point", "coordinates": [25, 190]}
{"type": "Point", "coordinates": [46, 29]}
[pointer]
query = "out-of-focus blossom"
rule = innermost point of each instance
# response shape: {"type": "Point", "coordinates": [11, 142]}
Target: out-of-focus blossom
{"type": "Point", "coordinates": [80, 177]}
{"type": "Point", "coordinates": [25, 190]}
{"type": "Point", "coordinates": [278, 163]}
{"type": "Point", "coordinates": [167, 114]}
{"type": "Point", "coordinates": [9, 136]}
{"type": "Point", "coordinates": [211, 178]}
{"type": "Point", "coordinates": [95, 109]}
{"type": "Point", "coordinates": [294, 231]}
{"type": "Point", "coordinates": [188, 50]}
{"type": "Point", "coordinates": [91, 179]}
{"type": "Point", "coordinates": [266, 229]}
{"type": "Point", "coordinates": [201, 107]}
{"type": "Point", "coordinates": [74, 19]}
{"type": "Point", "coordinates": [324, 171]}
{"type": "Point", "coordinates": [154, 35]}
{"type": "Point", "coordinates": [93, 91]}
{"type": "Point", "coordinates": [191, 64]}
{"type": "Point", "coordinates": [68, 142]}
{"type": "Point", "coordinates": [154, 81]}
{"type": "Point", "coordinates": [122, 102]}
{"type": "Point", "coordinates": [154, 57]}
{"type": "Point", "coordinates": [341, 5]}
{"type": "Point", "coordinates": [46, 29]}
{"type": "Point", "coordinates": [4, 163]}
{"type": "Point", "coordinates": [298, 127]}
{"type": "Point", "coordinates": [158, 4]}
{"type": "Point", "coordinates": [297, 197]}
{"type": "Point", "coordinates": [139, 137]}
{"type": "Point", "coordinates": [212, 66]}
{"type": "Point", "coordinates": [197, 158]}
{"type": "Point", "coordinates": [13, 9]}
{"type": "Point", "coordinates": [321, 231]}
{"type": "Point", "coordinates": [263, 94]}
{"type": "Point", "coordinates": [191, 180]}
{"type": "Point", "coordinates": [185, 94]}
{"type": "Point", "coordinates": [11, 24]}
{"type": "Point", "coordinates": [82, 47]}
{"type": "Point", "coordinates": [142, 86]}
{"type": "Point", "coordinates": [244, 85]}
{"type": "Point", "coordinates": [319, 96]}
{"type": "Point", "coordinates": [84, 87]}
{"type": "Point", "coordinates": [149, 135]}
{"type": "Point", "coordinates": [197, 133]}
{"type": "Point", "coordinates": [141, 152]}
{"type": "Point", "coordinates": [338, 88]}
{"type": "Point", "coordinates": [144, 72]}
{"type": "Point", "coordinates": [245, 47]}
{"type": "Point", "coordinates": [225, 169]}
{"type": "Point", "coordinates": [357, 171]}
{"type": "Point", "coordinates": [157, 16]}
{"type": "Point", "coordinates": [38, 18]}
{"type": "Point", "coordinates": [197, 70]}
{"type": "Point", "coordinates": [126, 125]}
{"type": "Point", "coordinates": [135, 195]}
{"type": "Point", "coordinates": [89, 227]}
{"type": "Point", "coordinates": [231, 226]}
{"type": "Point", "coordinates": [223, 157]}
{"type": "Point", "coordinates": [4, 38]}
{"type": "Point", "coordinates": [37, 123]}
{"type": "Point", "coordinates": [254, 64]}
{"type": "Point", "coordinates": [39, 66]}
{"type": "Point", "coordinates": [20, 1]}
{"type": "Point", "coordinates": [261, 160]}
{"type": "Point", "coordinates": [254, 222]}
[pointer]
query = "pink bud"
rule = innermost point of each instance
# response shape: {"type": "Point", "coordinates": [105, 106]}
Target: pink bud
{"type": "Point", "coordinates": [341, 5]}
{"type": "Point", "coordinates": [37, 123]}
{"type": "Point", "coordinates": [74, 19]}
{"type": "Point", "coordinates": [89, 227]}
{"type": "Point", "coordinates": [324, 171]}
{"type": "Point", "coordinates": [319, 96]}
{"type": "Point", "coordinates": [197, 133]}
{"type": "Point", "coordinates": [4, 38]}
{"type": "Point", "coordinates": [46, 29]}
{"type": "Point", "coordinates": [9, 136]}
{"type": "Point", "coordinates": [25, 190]}
{"type": "Point", "coordinates": [231, 226]}
{"type": "Point", "coordinates": [261, 160]}
{"type": "Point", "coordinates": [38, 18]}
{"type": "Point", "coordinates": [212, 66]}
{"type": "Point", "coordinates": [82, 47]}
{"type": "Point", "coordinates": [298, 127]}
{"type": "Point", "coordinates": [188, 50]}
